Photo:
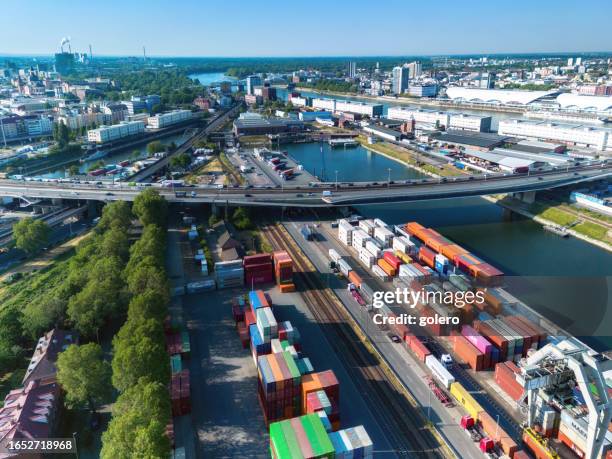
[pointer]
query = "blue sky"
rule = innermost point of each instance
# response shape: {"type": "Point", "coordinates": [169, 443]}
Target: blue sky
{"type": "Point", "coordinates": [300, 28]}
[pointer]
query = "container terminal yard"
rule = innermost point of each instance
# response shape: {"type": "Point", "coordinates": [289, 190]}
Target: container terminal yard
{"type": "Point", "coordinates": [332, 371]}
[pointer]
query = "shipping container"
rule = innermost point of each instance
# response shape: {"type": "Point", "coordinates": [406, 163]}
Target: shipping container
{"type": "Point", "coordinates": [324, 380]}
{"type": "Point", "coordinates": [373, 248]}
{"type": "Point", "coordinates": [464, 350]}
{"type": "Point", "coordinates": [352, 443]}
{"type": "Point", "coordinates": [418, 348]}
{"type": "Point", "coordinates": [386, 267]}
{"type": "Point", "coordinates": [344, 267]}
{"type": "Point", "coordinates": [354, 278]}
{"type": "Point", "coordinates": [379, 272]}
{"type": "Point", "coordinates": [258, 259]}
{"type": "Point", "coordinates": [366, 257]}
{"type": "Point", "coordinates": [392, 260]}
{"type": "Point", "coordinates": [439, 371]}
{"type": "Point", "coordinates": [368, 226]}
{"type": "Point", "coordinates": [536, 445]}
{"type": "Point", "coordinates": [497, 434]}
{"type": "Point", "coordinates": [405, 258]}
{"type": "Point", "coordinates": [464, 398]}
{"type": "Point", "coordinates": [427, 256]}
{"type": "Point", "coordinates": [258, 299]}
{"type": "Point", "coordinates": [334, 256]}
{"type": "Point", "coordinates": [303, 437]}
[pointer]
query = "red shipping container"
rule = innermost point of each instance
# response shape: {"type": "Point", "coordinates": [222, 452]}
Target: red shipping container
{"type": "Point", "coordinates": [427, 256]}
{"type": "Point", "coordinates": [257, 259]}
{"type": "Point", "coordinates": [249, 318]}
{"type": "Point", "coordinates": [354, 278]}
{"type": "Point", "coordinates": [392, 260]}
{"type": "Point", "coordinates": [259, 278]}
{"type": "Point", "coordinates": [520, 454]}
{"type": "Point", "coordinates": [535, 328]}
{"type": "Point", "coordinates": [505, 379]}
{"type": "Point", "coordinates": [497, 434]}
{"type": "Point", "coordinates": [468, 353]}
{"type": "Point", "coordinates": [418, 348]}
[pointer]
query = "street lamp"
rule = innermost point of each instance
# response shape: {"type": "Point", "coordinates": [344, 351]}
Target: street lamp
{"type": "Point", "coordinates": [336, 180]}
{"type": "Point", "coordinates": [389, 177]}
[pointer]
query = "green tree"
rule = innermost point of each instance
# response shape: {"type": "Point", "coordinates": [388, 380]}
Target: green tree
{"type": "Point", "coordinates": [150, 207]}
{"type": "Point", "coordinates": [150, 244]}
{"type": "Point", "coordinates": [151, 304]}
{"type": "Point", "coordinates": [241, 219]}
{"type": "Point", "coordinates": [43, 314]}
{"type": "Point", "coordinates": [139, 352]}
{"type": "Point", "coordinates": [146, 276]}
{"type": "Point", "coordinates": [181, 161]}
{"type": "Point", "coordinates": [134, 436]}
{"type": "Point", "coordinates": [74, 170]}
{"type": "Point", "coordinates": [61, 134]}
{"type": "Point", "coordinates": [116, 213]}
{"type": "Point", "coordinates": [30, 234]}
{"type": "Point", "coordinates": [84, 375]}
{"type": "Point", "coordinates": [155, 147]}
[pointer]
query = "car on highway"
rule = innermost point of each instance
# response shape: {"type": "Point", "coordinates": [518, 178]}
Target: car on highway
{"type": "Point", "coordinates": [194, 194]}
{"type": "Point", "coordinates": [108, 193]}
{"type": "Point", "coordinates": [311, 194]}
{"type": "Point", "coordinates": [394, 338]}
{"type": "Point", "coordinates": [299, 195]}
{"type": "Point", "coordinates": [248, 195]}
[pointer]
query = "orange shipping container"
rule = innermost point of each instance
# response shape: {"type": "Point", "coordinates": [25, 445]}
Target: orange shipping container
{"type": "Point", "coordinates": [540, 451]}
{"type": "Point", "coordinates": [468, 353]}
{"type": "Point", "coordinates": [497, 434]}
{"type": "Point", "coordinates": [413, 227]}
{"type": "Point", "coordinates": [286, 288]}
{"type": "Point", "coordinates": [386, 267]}
{"type": "Point", "coordinates": [354, 278]}
{"type": "Point", "coordinates": [451, 251]}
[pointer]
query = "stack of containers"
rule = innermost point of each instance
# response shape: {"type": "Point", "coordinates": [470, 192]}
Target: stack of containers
{"type": "Point", "coordinates": [281, 346]}
{"type": "Point", "coordinates": [497, 299]}
{"type": "Point", "coordinates": [392, 260]}
{"type": "Point", "coordinates": [427, 256]}
{"type": "Point", "coordinates": [531, 336]}
{"type": "Point", "coordinates": [479, 342]}
{"type": "Point", "coordinates": [259, 347]}
{"type": "Point", "coordinates": [389, 270]}
{"type": "Point", "coordinates": [417, 272]}
{"type": "Point", "coordinates": [266, 324]}
{"type": "Point", "coordinates": [441, 264]}
{"type": "Point", "coordinates": [176, 364]}
{"type": "Point", "coordinates": [352, 443]}
{"type": "Point", "coordinates": [258, 269]}
{"type": "Point", "coordinates": [180, 397]}
{"type": "Point", "coordinates": [328, 383]}
{"type": "Point", "coordinates": [345, 232]}
{"type": "Point", "coordinates": [467, 352]}
{"type": "Point", "coordinates": [229, 274]}
{"type": "Point", "coordinates": [417, 347]}
{"type": "Point", "coordinates": [460, 281]}
{"type": "Point", "coordinates": [491, 427]}
{"type": "Point", "coordinates": [318, 401]}
{"type": "Point", "coordinates": [405, 258]}
{"type": "Point", "coordinates": [464, 261]}
{"type": "Point", "coordinates": [302, 437]}
{"type": "Point", "coordinates": [287, 332]}
{"type": "Point", "coordinates": [380, 272]}
{"type": "Point", "coordinates": [452, 251]}
{"type": "Point", "coordinates": [505, 377]}
{"type": "Point", "coordinates": [279, 386]}
{"type": "Point", "coordinates": [283, 268]}
{"type": "Point", "coordinates": [486, 274]}
{"type": "Point", "coordinates": [403, 244]}
{"type": "Point", "coordinates": [487, 329]}
{"type": "Point", "coordinates": [373, 247]}
{"type": "Point", "coordinates": [368, 226]}
{"type": "Point", "coordinates": [360, 237]}
{"type": "Point", "coordinates": [384, 236]}
{"type": "Point", "coordinates": [415, 229]}
{"type": "Point", "coordinates": [258, 299]}
{"type": "Point", "coordinates": [511, 334]}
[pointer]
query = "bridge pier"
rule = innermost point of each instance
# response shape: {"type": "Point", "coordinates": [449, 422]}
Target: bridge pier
{"type": "Point", "coordinates": [527, 197]}
{"type": "Point", "coordinates": [93, 209]}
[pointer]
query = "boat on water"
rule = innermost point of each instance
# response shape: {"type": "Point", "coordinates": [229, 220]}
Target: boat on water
{"type": "Point", "coordinates": [98, 154]}
{"type": "Point", "coordinates": [343, 143]}
{"type": "Point", "coordinates": [558, 230]}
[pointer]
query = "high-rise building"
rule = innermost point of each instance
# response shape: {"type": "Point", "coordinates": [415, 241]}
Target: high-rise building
{"type": "Point", "coordinates": [401, 77]}
{"type": "Point", "coordinates": [251, 82]}
{"type": "Point", "coordinates": [578, 61]}
{"type": "Point", "coordinates": [486, 80]}
{"type": "Point", "coordinates": [352, 69]}
{"type": "Point", "coordinates": [415, 69]}
{"type": "Point", "coordinates": [570, 61]}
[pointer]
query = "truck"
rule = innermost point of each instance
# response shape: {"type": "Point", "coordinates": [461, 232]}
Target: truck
{"type": "Point", "coordinates": [326, 193]}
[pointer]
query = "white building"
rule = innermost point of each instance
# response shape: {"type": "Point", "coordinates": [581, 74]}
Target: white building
{"type": "Point", "coordinates": [569, 134]}
{"type": "Point", "coordinates": [36, 126]}
{"type": "Point", "coordinates": [361, 108]}
{"type": "Point", "coordinates": [299, 101]}
{"type": "Point", "coordinates": [118, 131]}
{"type": "Point", "coordinates": [400, 78]}
{"type": "Point", "coordinates": [467, 122]}
{"type": "Point", "coordinates": [162, 120]}
{"type": "Point", "coordinates": [78, 120]}
{"type": "Point", "coordinates": [423, 90]}
{"type": "Point", "coordinates": [251, 82]}
{"type": "Point", "coordinates": [431, 117]}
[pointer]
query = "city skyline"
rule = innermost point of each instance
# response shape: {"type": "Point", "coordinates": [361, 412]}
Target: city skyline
{"type": "Point", "coordinates": [209, 31]}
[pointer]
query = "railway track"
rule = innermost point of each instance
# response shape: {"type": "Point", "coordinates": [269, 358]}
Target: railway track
{"type": "Point", "coordinates": [404, 426]}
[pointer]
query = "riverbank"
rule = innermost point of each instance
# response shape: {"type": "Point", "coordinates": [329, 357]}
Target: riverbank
{"type": "Point", "coordinates": [503, 201]}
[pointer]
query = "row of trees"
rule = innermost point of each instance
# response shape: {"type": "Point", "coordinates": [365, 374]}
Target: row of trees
{"type": "Point", "coordinates": [140, 367]}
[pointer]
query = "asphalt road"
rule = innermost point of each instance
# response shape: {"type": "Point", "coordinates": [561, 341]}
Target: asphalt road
{"type": "Point", "coordinates": [300, 197]}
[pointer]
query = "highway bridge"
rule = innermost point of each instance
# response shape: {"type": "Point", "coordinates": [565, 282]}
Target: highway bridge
{"type": "Point", "coordinates": [322, 195]}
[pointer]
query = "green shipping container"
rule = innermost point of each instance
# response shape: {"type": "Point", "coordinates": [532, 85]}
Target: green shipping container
{"type": "Point", "coordinates": [185, 342]}
{"type": "Point", "coordinates": [176, 364]}
{"type": "Point", "coordinates": [285, 444]}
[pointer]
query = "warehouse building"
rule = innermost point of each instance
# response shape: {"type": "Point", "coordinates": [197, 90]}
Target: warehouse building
{"type": "Point", "coordinates": [264, 126]}
{"type": "Point", "coordinates": [470, 140]}
{"type": "Point", "coordinates": [465, 122]}
{"type": "Point", "coordinates": [162, 120]}
{"type": "Point", "coordinates": [499, 96]}
{"type": "Point", "coordinates": [348, 106]}
{"type": "Point", "coordinates": [569, 134]}
{"type": "Point", "coordinates": [420, 116]}
{"type": "Point", "coordinates": [495, 162]}
{"type": "Point", "coordinates": [118, 131]}
{"type": "Point", "coordinates": [384, 133]}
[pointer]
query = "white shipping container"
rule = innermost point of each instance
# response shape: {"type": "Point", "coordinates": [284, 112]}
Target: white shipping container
{"type": "Point", "coordinates": [366, 257]}
{"type": "Point", "coordinates": [379, 272]}
{"type": "Point", "coordinates": [345, 239]}
{"type": "Point", "coordinates": [379, 223]}
{"type": "Point", "coordinates": [384, 235]}
{"type": "Point", "coordinates": [410, 271]}
{"type": "Point", "coordinates": [439, 371]}
{"type": "Point", "coordinates": [401, 243]}
{"type": "Point", "coordinates": [344, 224]}
{"type": "Point", "coordinates": [333, 255]}
{"type": "Point", "coordinates": [344, 267]}
{"type": "Point", "coordinates": [373, 248]}
{"type": "Point", "coordinates": [368, 226]}
{"type": "Point", "coordinates": [359, 238]}
{"type": "Point", "coordinates": [441, 259]}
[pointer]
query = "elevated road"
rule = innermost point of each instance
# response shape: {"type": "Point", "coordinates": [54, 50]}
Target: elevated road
{"type": "Point", "coordinates": [322, 195]}
{"type": "Point", "coordinates": [215, 123]}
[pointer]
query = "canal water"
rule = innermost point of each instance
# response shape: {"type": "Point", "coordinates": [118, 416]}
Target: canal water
{"type": "Point", "coordinates": [211, 78]}
{"type": "Point", "coordinates": [566, 280]}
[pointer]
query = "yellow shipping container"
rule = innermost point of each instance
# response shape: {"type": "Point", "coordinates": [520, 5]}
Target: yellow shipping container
{"type": "Point", "coordinates": [466, 400]}
{"type": "Point", "coordinates": [402, 256]}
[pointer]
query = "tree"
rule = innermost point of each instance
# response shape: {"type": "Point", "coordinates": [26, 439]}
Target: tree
{"type": "Point", "coordinates": [30, 234]}
{"type": "Point", "coordinates": [74, 170]}
{"type": "Point", "coordinates": [39, 316]}
{"type": "Point", "coordinates": [116, 213]}
{"type": "Point", "coordinates": [150, 207]}
{"type": "Point", "coordinates": [147, 275]}
{"type": "Point", "coordinates": [151, 304]}
{"type": "Point", "coordinates": [155, 147]}
{"type": "Point", "coordinates": [61, 134]}
{"type": "Point", "coordinates": [84, 375]}
{"type": "Point", "coordinates": [181, 161]}
{"type": "Point", "coordinates": [134, 436]}
{"type": "Point", "coordinates": [150, 244]}
{"type": "Point", "coordinates": [139, 352]}
{"type": "Point", "coordinates": [241, 219]}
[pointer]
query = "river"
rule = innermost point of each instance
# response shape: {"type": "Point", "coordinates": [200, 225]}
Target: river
{"type": "Point", "coordinates": [566, 280]}
{"type": "Point", "coordinates": [211, 78]}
